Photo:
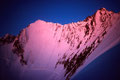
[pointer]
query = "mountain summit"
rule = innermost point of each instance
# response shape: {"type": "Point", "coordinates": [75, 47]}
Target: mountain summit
{"type": "Point", "coordinates": [51, 51]}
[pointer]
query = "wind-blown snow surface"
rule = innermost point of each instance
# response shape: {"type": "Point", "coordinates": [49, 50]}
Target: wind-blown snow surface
{"type": "Point", "coordinates": [51, 51]}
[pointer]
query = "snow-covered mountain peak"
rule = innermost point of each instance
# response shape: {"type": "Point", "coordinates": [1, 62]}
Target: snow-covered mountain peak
{"type": "Point", "coordinates": [63, 49]}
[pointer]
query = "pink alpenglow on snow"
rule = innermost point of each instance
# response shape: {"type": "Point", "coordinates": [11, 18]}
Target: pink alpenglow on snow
{"type": "Point", "coordinates": [58, 52]}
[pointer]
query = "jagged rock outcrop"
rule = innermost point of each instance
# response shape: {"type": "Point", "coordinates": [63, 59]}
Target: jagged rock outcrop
{"type": "Point", "coordinates": [7, 39]}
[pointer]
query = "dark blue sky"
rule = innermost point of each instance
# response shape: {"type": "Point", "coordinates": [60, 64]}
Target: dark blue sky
{"type": "Point", "coordinates": [17, 14]}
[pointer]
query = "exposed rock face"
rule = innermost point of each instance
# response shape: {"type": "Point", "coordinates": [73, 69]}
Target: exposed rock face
{"type": "Point", "coordinates": [7, 39]}
{"type": "Point", "coordinates": [18, 46]}
{"type": "Point", "coordinates": [64, 49]}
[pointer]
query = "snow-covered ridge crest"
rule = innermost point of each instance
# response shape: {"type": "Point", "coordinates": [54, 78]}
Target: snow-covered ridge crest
{"type": "Point", "coordinates": [65, 49]}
